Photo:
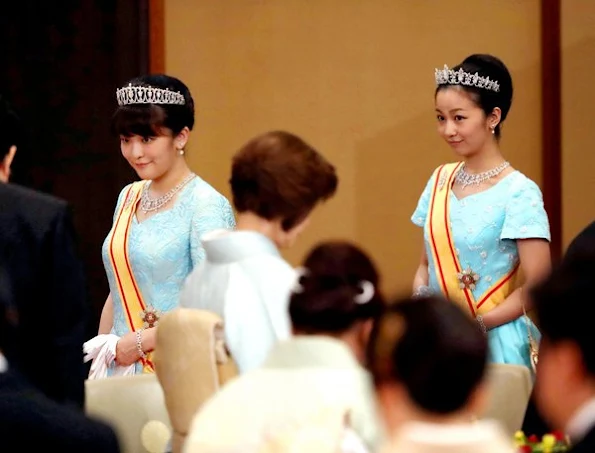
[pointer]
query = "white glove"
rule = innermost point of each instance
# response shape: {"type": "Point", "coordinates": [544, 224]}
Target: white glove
{"type": "Point", "coordinates": [102, 350]}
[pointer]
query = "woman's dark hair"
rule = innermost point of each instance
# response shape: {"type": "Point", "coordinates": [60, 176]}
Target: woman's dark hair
{"type": "Point", "coordinates": [326, 299]}
{"type": "Point", "coordinates": [279, 176]}
{"type": "Point", "coordinates": [10, 128]}
{"type": "Point", "coordinates": [492, 67]}
{"type": "Point", "coordinates": [148, 120]}
{"type": "Point", "coordinates": [431, 347]}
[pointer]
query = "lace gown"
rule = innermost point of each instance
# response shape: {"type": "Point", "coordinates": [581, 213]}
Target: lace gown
{"type": "Point", "coordinates": [485, 227]}
{"type": "Point", "coordinates": [164, 248]}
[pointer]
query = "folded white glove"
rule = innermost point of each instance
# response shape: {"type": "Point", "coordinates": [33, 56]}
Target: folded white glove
{"type": "Point", "coordinates": [102, 350]}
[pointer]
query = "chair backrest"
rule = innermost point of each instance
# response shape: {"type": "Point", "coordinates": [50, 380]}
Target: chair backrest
{"type": "Point", "coordinates": [510, 388]}
{"type": "Point", "coordinates": [134, 406]}
{"type": "Point", "coordinates": [191, 363]}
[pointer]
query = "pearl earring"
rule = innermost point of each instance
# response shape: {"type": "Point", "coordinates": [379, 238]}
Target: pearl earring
{"type": "Point", "coordinates": [493, 130]}
{"type": "Point", "coordinates": [181, 152]}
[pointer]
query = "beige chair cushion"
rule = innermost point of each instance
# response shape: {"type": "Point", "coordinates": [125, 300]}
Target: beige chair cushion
{"type": "Point", "coordinates": [510, 388]}
{"type": "Point", "coordinates": [134, 406]}
{"type": "Point", "coordinates": [191, 363]}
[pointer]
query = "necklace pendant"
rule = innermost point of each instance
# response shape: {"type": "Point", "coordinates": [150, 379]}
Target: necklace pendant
{"type": "Point", "coordinates": [467, 179]}
{"type": "Point", "coordinates": [153, 204]}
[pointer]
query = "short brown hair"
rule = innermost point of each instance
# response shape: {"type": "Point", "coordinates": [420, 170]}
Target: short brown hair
{"type": "Point", "coordinates": [279, 176]}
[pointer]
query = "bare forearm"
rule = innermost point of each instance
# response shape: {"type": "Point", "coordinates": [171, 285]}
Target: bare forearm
{"type": "Point", "coordinates": [106, 321]}
{"type": "Point", "coordinates": [534, 255]}
{"type": "Point", "coordinates": [421, 277]}
{"type": "Point", "coordinates": [149, 339]}
{"type": "Point", "coordinates": [127, 349]}
{"type": "Point", "coordinates": [509, 310]}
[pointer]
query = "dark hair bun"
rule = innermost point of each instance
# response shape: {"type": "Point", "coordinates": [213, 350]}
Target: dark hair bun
{"type": "Point", "coordinates": [490, 66]}
{"type": "Point", "coordinates": [337, 288]}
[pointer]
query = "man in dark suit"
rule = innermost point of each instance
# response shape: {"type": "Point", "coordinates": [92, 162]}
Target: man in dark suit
{"type": "Point", "coordinates": [565, 384]}
{"type": "Point", "coordinates": [29, 421]}
{"type": "Point", "coordinates": [45, 280]}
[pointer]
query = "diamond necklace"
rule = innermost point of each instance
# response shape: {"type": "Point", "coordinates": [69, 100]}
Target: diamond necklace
{"type": "Point", "coordinates": [148, 204]}
{"type": "Point", "coordinates": [467, 179]}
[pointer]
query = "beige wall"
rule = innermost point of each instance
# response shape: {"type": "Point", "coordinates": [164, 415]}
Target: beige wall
{"type": "Point", "coordinates": [356, 79]}
{"type": "Point", "coordinates": [578, 115]}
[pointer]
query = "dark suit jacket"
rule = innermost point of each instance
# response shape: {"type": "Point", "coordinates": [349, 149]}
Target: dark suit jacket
{"type": "Point", "coordinates": [29, 421]}
{"type": "Point", "coordinates": [44, 279]}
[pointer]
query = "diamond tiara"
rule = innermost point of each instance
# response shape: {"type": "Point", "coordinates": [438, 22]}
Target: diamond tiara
{"type": "Point", "coordinates": [148, 95]}
{"type": "Point", "coordinates": [447, 76]}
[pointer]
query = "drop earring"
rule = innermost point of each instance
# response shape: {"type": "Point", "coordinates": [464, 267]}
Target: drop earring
{"type": "Point", "coordinates": [181, 152]}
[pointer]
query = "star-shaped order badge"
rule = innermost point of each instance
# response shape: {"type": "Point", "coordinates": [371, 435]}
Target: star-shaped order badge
{"type": "Point", "coordinates": [150, 317]}
{"type": "Point", "coordinates": [467, 279]}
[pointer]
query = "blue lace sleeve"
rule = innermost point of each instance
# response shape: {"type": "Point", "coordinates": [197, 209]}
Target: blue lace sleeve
{"type": "Point", "coordinates": [525, 216]}
{"type": "Point", "coordinates": [421, 211]}
{"type": "Point", "coordinates": [212, 213]}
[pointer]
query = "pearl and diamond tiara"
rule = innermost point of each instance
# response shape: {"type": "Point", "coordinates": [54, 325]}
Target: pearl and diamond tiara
{"type": "Point", "coordinates": [132, 94]}
{"type": "Point", "coordinates": [447, 76]}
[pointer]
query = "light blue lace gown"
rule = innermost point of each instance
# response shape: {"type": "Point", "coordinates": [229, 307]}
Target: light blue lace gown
{"type": "Point", "coordinates": [485, 227]}
{"type": "Point", "coordinates": [164, 248]}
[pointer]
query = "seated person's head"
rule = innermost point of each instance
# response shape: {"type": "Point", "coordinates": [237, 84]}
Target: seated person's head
{"type": "Point", "coordinates": [279, 178]}
{"type": "Point", "coordinates": [566, 368]}
{"type": "Point", "coordinates": [337, 295]}
{"type": "Point", "coordinates": [583, 245]}
{"type": "Point", "coordinates": [428, 359]}
{"type": "Point", "coordinates": [10, 135]}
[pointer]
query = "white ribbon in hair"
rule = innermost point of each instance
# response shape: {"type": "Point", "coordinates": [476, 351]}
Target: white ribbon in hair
{"type": "Point", "coordinates": [299, 273]}
{"type": "Point", "coordinates": [367, 292]}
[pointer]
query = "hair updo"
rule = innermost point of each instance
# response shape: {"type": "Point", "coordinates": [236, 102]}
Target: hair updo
{"type": "Point", "coordinates": [337, 288]}
{"type": "Point", "coordinates": [492, 67]}
{"type": "Point", "coordinates": [148, 120]}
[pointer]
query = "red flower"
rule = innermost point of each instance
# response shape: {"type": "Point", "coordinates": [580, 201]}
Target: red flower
{"type": "Point", "coordinates": [533, 439]}
{"type": "Point", "coordinates": [559, 435]}
{"type": "Point", "coordinates": [525, 449]}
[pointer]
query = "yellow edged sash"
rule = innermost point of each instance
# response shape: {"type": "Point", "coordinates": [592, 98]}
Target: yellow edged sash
{"type": "Point", "coordinates": [445, 257]}
{"type": "Point", "coordinates": [132, 299]}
